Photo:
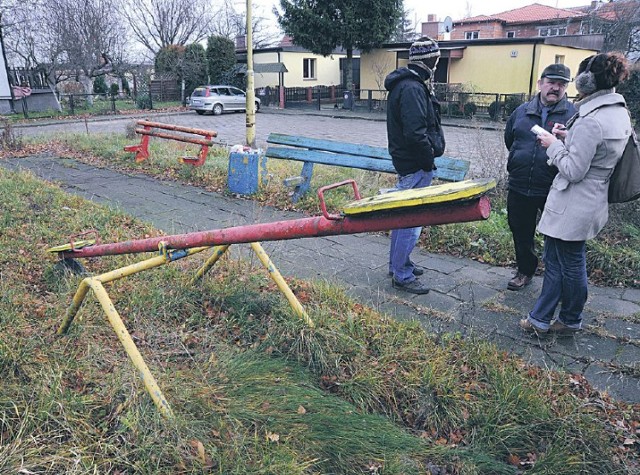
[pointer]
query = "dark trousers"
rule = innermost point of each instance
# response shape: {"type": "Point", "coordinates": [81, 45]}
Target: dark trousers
{"type": "Point", "coordinates": [522, 213]}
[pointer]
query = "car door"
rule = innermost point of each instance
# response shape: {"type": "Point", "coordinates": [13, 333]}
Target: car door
{"type": "Point", "coordinates": [239, 98]}
{"type": "Point", "coordinates": [226, 98]}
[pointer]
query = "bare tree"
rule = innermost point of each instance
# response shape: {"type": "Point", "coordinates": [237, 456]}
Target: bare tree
{"type": "Point", "coordinates": [230, 23]}
{"type": "Point", "coordinates": [619, 21]}
{"type": "Point", "coordinates": [157, 24]}
{"type": "Point", "coordinates": [79, 39]}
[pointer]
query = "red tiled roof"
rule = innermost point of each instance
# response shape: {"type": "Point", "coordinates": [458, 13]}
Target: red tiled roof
{"type": "Point", "coordinates": [528, 14]}
{"type": "Point", "coordinates": [286, 41]}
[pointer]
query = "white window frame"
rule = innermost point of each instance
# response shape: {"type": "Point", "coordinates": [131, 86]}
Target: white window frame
{"type": "Point", "coordinates": [309, 66]}
{"type": "Point", "coordinates": [471, 35]}
{"type": "Point", "coordinates": [552, 31]}
{"type": "Point", "coordinates": [511, 34]}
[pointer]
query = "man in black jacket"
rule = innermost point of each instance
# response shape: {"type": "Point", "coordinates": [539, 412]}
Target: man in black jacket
{"type": "Point", "coordinates": [529, 175]}
{"type": "Point", "coordinates": [415, 139]}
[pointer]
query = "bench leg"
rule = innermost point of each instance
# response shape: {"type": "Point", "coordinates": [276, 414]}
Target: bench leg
{"type": "Point", "coordinates": [141, 150]}
{"type": "Point", "coordinates": [302, 188]}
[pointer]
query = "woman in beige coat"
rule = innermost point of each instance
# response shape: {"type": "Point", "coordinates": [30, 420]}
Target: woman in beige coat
{"type": "Point", "coordinates": [585, 153]}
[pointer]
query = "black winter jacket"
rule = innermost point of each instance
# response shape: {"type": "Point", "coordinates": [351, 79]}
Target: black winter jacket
{"type": "Point", "coordinates": [413, 121]}
{"type": "Point", "coordinates": [529, 173]}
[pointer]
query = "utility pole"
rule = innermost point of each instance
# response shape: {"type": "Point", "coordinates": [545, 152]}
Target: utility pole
{"type": "Point", "coordinates": [251, 94]}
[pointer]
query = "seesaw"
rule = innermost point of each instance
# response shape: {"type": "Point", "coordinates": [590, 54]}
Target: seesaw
{"type": "Point", "coordinates": [443, 204]}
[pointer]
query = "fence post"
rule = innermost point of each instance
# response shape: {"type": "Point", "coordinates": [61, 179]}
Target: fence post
{"type": "Point", "coordinates": [113, 103]}
{"type": "Point", "coordinates": [25, 109]}
{"type": "Point", "coordinates": [370, 99]}
{"type": "Point", "coordinates": [71, 104]}
{"type": "Point", "coordinates": [282, 103]}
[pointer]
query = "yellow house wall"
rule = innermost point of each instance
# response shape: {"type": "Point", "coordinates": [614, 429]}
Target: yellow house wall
{"type": "Point", "coordinates": [488, 68]}
{"type": "Point", "coordinates": [266, 79]}
{"type": "Point", "coordinates": [327, 69]}
{"type": "Point", "coordinates": [507, 69]}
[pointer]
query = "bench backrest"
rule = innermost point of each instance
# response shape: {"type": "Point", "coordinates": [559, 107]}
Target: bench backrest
{"type": "Point", "coordinates": [366, 157]}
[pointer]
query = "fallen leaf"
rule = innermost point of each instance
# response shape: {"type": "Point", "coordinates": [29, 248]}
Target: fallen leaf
{"type": "Point", "coordinates": [301, 410]}
{"type": "Point", "coordinates": [513, 460]}
{"type": "Point", "coordinates": [273, 437]}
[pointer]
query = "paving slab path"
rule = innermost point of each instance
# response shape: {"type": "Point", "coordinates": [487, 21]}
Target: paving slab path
{"type": "Point", "coordinates": [466, 297]}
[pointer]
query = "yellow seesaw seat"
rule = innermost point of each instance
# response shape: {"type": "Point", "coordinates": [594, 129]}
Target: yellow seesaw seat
{"type": "Point", "coordinates": [430, 195]}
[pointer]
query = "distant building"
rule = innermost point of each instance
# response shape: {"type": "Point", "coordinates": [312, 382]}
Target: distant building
{"type": "Point", "coordinates": [536, 20]}
{"type": "Point", "coordinates": [494, 65]}
{"type": "Point", "coordinates": [290, 65]}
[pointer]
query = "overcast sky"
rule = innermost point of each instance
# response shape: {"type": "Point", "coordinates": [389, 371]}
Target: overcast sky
{"type": "Point", "coordinates": [456, 9]}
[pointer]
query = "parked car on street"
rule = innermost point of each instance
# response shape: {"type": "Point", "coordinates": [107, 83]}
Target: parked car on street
{"type": "Point", "coordinates": [217, 99]}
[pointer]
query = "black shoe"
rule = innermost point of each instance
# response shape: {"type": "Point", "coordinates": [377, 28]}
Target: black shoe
{"type": "Point", "coordinates": [519, 281]}
{"type": "Point", "coordinates": [416, 271]}
{"type": "Point", "coordinates": [413, 287]}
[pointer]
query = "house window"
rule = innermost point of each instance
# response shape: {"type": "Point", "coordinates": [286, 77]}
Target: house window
{"type": "Point", "coordinates": [511, 34]}
{"type": "Point", "coordinates": [309, 68]}
{"type": "Point", "coordinates": [552, 31]}
{"type": "Point", "coordinates": [471, 35]}
{"type": "Point", "coordinates": [559, 59]}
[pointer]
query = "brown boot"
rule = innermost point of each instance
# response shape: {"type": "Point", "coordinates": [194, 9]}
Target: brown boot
{"type": "Point", "coordinates": [519, 281]}
{"type": "Point", "coordinates": [560, 328]}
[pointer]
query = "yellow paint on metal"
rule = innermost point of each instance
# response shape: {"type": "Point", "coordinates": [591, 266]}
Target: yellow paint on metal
{"type": "Point", "coordinates": [130, 347]}
{"type": "Point", "coordinates": [431, 195]}
{"type": "Point", "coordinates": [218, 251]}
{"type": "Point", "coordinates": [76, 245]}
{"type": "Point", "coordinates": [274, 273]}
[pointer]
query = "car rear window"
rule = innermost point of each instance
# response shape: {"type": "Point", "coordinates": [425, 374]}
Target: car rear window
{"type": "Point", "coordinates": [199, 92]}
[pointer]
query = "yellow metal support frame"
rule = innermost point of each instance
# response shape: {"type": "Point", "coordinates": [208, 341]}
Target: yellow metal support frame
{"type": "Point", "coordinates": [165, 257]}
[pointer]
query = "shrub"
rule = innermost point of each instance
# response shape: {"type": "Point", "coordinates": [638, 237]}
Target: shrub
{"type": "Point", "coordinates": [143, 101]}
{"type": "Point", "coordinates": [100, 85]}
{"type": "Point", "coordinates": [130, 129]}
{"type": "Point", "coordinates": [512, 102]}
{"type": "Point", "coordinates": [125, 86]}
{"type": "Point", "coordinates": [114, 90]}
{"type": "Point", "coordinates": [9, 140]}
{"type": "Point", "coordinates": [470, 109]}
{"type": "Point", "coordinates": [495, 110]}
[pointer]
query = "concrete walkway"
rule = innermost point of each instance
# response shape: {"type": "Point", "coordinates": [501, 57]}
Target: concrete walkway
{"type": "Point", "coordinates": [466, 297]}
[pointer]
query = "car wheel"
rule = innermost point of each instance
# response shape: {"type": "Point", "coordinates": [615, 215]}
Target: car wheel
{"type": "Point", "coordinates": [217, 109]}
{"type": "Point", "coordinates": [199, 112]}
{"type": "Point", "coordinates": [257, 106]}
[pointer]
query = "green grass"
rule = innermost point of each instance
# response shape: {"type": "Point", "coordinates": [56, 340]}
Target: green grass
{"type": "Point", "coordinates": [253, 389]}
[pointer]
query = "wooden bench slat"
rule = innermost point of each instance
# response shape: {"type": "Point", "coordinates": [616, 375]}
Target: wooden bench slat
{"type": "Point", "coordinates": [329, 146]}
{"type": "Point", "coordinates": [331, 152]}
{"type": "Point", "coordinates": [336, 159]}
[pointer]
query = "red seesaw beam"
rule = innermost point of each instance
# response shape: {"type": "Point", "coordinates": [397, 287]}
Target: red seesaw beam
{"type": "Point", "coordinates": [472, 210]}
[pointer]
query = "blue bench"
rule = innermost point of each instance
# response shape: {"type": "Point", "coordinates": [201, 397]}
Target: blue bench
{"type": "Point", "coordinates": [330, 152]}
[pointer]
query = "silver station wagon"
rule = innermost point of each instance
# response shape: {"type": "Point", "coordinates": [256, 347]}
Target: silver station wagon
{"type": "Point", "coordinates": [217, 99]}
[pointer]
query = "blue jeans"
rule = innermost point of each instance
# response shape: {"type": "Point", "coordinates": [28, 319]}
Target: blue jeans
{"type": "Point", "coordinates": [404, 240]}
{"type": "Point", "coordinates": [565, 283]}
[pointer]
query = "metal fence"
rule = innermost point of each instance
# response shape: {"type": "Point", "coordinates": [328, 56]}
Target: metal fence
{"type": "Point", "coordinates": [454, 102]}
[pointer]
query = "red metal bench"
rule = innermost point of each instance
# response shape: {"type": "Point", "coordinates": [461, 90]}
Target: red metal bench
{"type": "Point", "coordinates": [147, 131]}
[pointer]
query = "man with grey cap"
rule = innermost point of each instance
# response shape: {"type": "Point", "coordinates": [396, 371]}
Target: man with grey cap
{"type": "Point", "coordinates": [415, 139]}
{"type": "Point", "coordinates": [529, 175]}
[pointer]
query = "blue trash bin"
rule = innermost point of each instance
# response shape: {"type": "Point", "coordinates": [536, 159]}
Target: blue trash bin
{"type": "Point", "coordinates": [246, 171]}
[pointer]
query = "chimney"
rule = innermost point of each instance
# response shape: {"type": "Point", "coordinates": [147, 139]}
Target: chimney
{"type": "Point", "coordinates": [241, 42]}
{"type": "Point", "coordinates": [432, 17]}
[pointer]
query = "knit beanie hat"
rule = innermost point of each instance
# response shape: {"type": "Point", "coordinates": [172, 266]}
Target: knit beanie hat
{"type": "Point", "coordinates": [423, 49]}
